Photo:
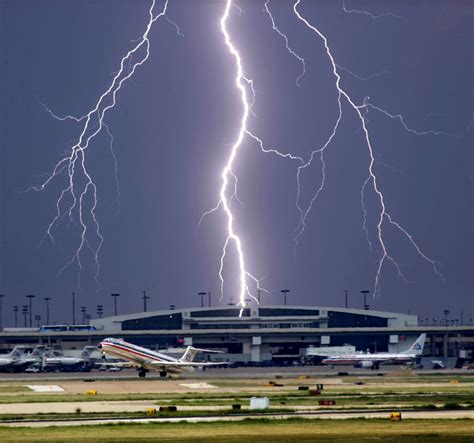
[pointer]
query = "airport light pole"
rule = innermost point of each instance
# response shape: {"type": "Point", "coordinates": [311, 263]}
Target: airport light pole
{"type": "Point", "coordinates": [145, 298]}
{"type": "Point", "coordinates": [284, 292]}
{"type": "Point", "coordinates": [1, 311]}
{"type": "Point", "coordinates": [446, 313]}
{"type": "Point", "coordinates": [209, 298]}
{"type": "Point", "coordinates": [259, 292]}
{"type": "Point", "coordinates": [15, 311]}
{"type": "Point", "coordinates": [24, 311]}
{"type": "Point", "coordinates": [47, 299]}
{"type": "Point", "coordinates": [202, 294]}
{"type": "Point", "coordinates": [100, 310]}
{"type": "Point", "coordinates": [365, 292]}
{"type": "Point", "coordinates": [172, 307]}
{"type": "Point", "coordinates": [83, 310]}
{"type": "Point", "coordinates": [37, 318]}
{"type": "Point", "coordinates": [115, 302]}
{"type": "Point", "coordinates": [73, 308]}
{"type": "Point", "coordinates": [30, 297]}
{"type": "Point", "coordinates": [346, 291]}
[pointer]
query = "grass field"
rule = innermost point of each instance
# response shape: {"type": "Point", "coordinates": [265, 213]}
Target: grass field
{"type": "Point", "coordinates": [277, 397]}
{"type": "Point", "coordinates": [8, 389]}
{"type": "Point", "coordinates": [259, 430]}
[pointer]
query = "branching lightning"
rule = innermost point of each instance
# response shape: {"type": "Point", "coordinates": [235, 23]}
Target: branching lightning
{"type": "Point", "coordinates": [80, 192]}
{"type": "Point", "coordinates": [293, 53]}
{"type": "Point", "coordinates": [375, 17]}
{"type": "Point", "coordinates": [384, 215]}
{"type": "Point", "coordinates": [79, 197]}
{"type": "Point", "coordinates": [242, 83]}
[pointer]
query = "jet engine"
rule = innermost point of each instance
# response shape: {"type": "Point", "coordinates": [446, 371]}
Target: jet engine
{"type": "Point", "coordinates": [366, 364]}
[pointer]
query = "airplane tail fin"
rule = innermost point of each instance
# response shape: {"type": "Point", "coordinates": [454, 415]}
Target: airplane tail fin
{"type": "Point", "coordinates": [191, 352]}
{"type": "Point", "coordinates": [87, 351]}
{"type": "Point", "coordinates": [417, 347]}
{"type": "Point", "coordinates": [17, 351]}
{"type": "Point", "coordinates": [38, 351]}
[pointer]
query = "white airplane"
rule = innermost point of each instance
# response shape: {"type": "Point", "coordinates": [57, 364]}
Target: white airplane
{"type": "Point", "coordinates": [373, 361]}
{"type": "Point", "coordinates": [7, 361]}
{"type": "Point", "coordinates": [144, 359]}
{"type": "Point", "coordinates": [19, 359]}
{"type": "Point", "coordinates": [57, 360]}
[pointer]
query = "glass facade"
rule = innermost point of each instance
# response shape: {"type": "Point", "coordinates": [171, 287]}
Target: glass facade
{"type": "Point", "coordinates": [348, 320]}
{"type": "Point", "coordinates": [283, 312]}
{"type": "Point", "coordinates": [219, 326]}
{"type": "Point", "coordinates": [220, 313]}
{"type": "Point", "coordinates": [157, 322]}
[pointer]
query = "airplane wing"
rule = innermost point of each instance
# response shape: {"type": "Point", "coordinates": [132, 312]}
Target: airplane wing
{"type": "Point", "coordinates": [163, 364]}
{"type": "Point", "coordinates": [118, 364]}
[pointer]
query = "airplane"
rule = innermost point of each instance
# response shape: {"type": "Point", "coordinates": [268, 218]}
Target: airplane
{"type": "Point", "coordinates": [57, 360]}
{"type": "Point", "coordinates": [7, 361]}
{"type": "Point", "coordinates": [19, 359]}
{"type": "Point", "coordinates": [373, 361]}
{"type": "Point", "coordinates": [144, 359]}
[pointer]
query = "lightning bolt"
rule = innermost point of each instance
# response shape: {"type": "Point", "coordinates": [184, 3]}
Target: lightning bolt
{"type": "Point", "coordinates": [80, 192]}
{"type": "Point", "coordinates": [285, 38]}
{"type": "Point", "coordinates": [362, 77]}
{"type": "Point", "coordinates": [375, 17]}
{"type": "Point", "coordinates": [384, 216]}
{"type": "Point", "coordinates": [241, 82]}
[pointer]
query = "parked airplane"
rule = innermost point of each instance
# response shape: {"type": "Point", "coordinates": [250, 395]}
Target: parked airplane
{"type": "Point", "coordinates": [373, 361]}
{"type": "Point", "coordinates": [57, 360]}
{"type": "Point", "coordinates": [19, 359]}
{"type": "Point", "coordinates": [7, 361]}
{"type": "Point", "coordinates": [144, 359]}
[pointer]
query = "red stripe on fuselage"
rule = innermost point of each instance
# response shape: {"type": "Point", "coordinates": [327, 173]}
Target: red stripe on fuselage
{"type": "Point", "coordinates": [133, 351]}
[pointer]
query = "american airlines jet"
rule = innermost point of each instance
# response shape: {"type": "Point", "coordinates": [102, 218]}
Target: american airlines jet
{"type": "Point", "coordinates": [144, 359]}
{"type": "Point", "coordinates": [373, 361]}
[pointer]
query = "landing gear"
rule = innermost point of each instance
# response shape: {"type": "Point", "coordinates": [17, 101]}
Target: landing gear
{"type": "Point", "coordinates": [163, 374]}
{"type": "Point", "coordinates": [142, 373]}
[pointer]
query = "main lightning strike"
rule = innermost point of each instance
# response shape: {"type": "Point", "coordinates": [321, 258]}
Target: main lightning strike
{"type": "Point", "coordinates": [75, 161]}
{"type": "Point", "coordinates": [240, 81]}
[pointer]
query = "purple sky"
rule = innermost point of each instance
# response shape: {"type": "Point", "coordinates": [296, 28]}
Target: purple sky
{"type": "Point", "coordinates": [173, 127]}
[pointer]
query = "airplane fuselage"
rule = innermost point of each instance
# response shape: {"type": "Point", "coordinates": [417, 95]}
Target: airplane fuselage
{"type": "Point", "coordinates": [142, 357]}
{"type": "Point", "coordinates": [358, 359]}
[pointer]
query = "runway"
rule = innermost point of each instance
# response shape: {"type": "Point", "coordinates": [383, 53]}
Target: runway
{"type": "Point", "coordinates": [232, 373]}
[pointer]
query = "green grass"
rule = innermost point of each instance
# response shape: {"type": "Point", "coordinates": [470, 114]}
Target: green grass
{"type": "Point", "coordinates": [256, 430]}
{"type": "Point", "coordinates": [13, 389]}
{"type": "Point", "coordinates": [276, 397]}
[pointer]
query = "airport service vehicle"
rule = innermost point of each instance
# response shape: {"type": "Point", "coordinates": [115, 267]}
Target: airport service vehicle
{"type": "Point", "coordinates": [144, 359]}
{"type": "Point", "coordinates": [373, 361]}
{"type": "Point", "coordinates": [58, 361]}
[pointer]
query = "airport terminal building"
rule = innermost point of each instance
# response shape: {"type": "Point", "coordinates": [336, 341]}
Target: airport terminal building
{"type": "Point", "coordinates": [280, 334]}
{"type": "Point", "coordinates": [277, 333]}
